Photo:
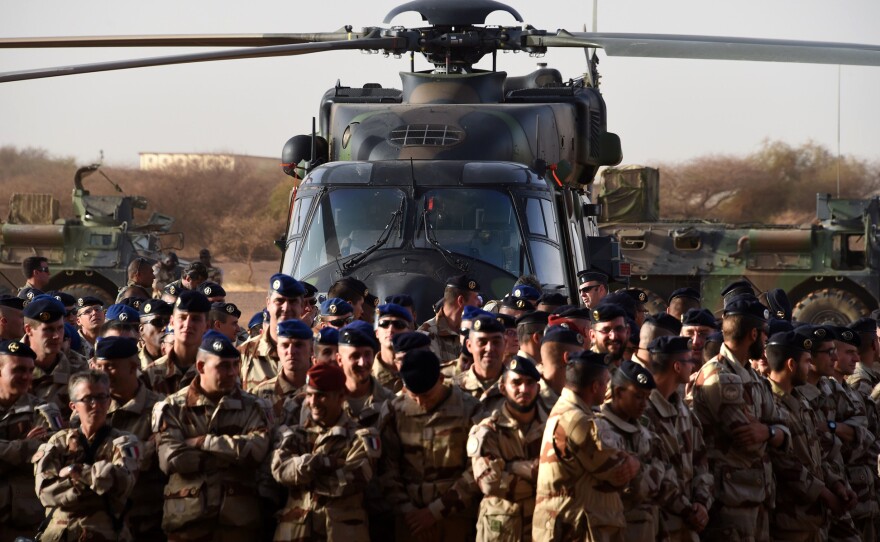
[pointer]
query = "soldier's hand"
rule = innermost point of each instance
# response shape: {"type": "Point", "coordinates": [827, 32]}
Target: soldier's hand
{"type": "Point", "coordinates": [833, 502]}
{"type": "Point", "coordinates": [699, 517]}
{"type": "Point", "coordinates": [626, 471]}
{"type": "Point", "coordinates": [420, 520]}
{"type": "Point", "coordinates": [37, 432]}
{"type": "Point", "coordinates": [195, 442]}
{"type": "Point", "coordinates": [752, 433]}
{"type": "Point", "coordinates": [528, 470]}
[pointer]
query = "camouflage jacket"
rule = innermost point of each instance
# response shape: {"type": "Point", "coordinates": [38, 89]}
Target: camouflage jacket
{"type": "Point", "coordinates": [145, 358]}
{"type": "Point", "coordinates": [424, 462]}
{"type": "Point", "coordinates": [547, 396]}
{"type": "Point", "coordinates": [259, 361]}
{"type": "Point", "coordinates": [445, 341]}
{"type": "Point", "coordinates": [211, 483]}
{"type": "Point", "coordinates": [84, 504]}
{"type": "Point", "coordinates": [19, 505]}
{"type": "Point", "coordinates": [275, 392]}
{"type": "Point", "coordinates": [487, 393]}
{"type": "Point", "coordinates": [681, 436]}
{"type": "Point", "coordinates": [52, 386]}
{"type": "Point", "coordinates": [165, 375]}
{"type": "Point", "coordinates": [386, 376]}
{"type": "Point", "coordinates": [574, 490]}
{"type": "Point", "coordinates": [504, 457]}
{"type": "Point", "coordinates": [325, 470]}
{"type": "Point", "coordinates": [864, 379]}
{"type": "Point", "coordinates": [800, 474]}
{"type": "Point", "coordinates": [164, 277]}
{"type": "Point", "coordinates": [723, 393]}
{"type": "Point", "coordinates": [454, 367]}
{"type": "Point", "coordinates": [86, 348]}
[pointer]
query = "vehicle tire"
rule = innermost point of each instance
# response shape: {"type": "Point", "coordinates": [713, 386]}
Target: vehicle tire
{"type": "Point", "coordinates": [834, 305]}
{"type": "Point", "coordinates": [81, 290]}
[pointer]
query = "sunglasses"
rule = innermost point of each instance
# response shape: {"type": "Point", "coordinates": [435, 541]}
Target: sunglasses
{"type": "Point", "coordinates": [158, 322]}
{"type": "Point", "coordinates": [340, 322]}
{"type": "Point", "coordinates": [92, 400]}
{"type": "Point", "coordinates": [588, 289]}
{"type": "Point", "coordinates": [396, 324]}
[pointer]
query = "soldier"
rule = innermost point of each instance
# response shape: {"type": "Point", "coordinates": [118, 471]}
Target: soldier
{"type": "Point", "coordinates": [578, 478]}
{"type": "Point", "coordinates": [460, 291]}
{"type": "Point", "coordinates": [325, 463]}
{"type": "Point", "coordinates": [515, 307]}
{"type": "Point", "coordinates": [804, 493]}
{"type": "Point", "coordinates": [866, 375]}
{"type": "Point", "coordinates": [610, 333]}
{"type": "Point", "coordinates": [69, 303]}
{"type": "Point", "coordinates": [427, 473]}
{"type": "Point", "coordinates": [166, 272]}
{"type": "Point", "coordinates": [215, 274]}
{"type": "Point", "coordinates": [697, 325]}
{"type": "Point", "coordinates": [593, 287]}
{"type": "Point", "coordinates": [550, 302]}
{"type": "Point", "coordinates": [736, 289]}
{"type": "Point", "coordinates": [213, 291]}
{"type": "Point", "coordinates": [740, 422]}
{"type": "Point", "coordinates": [393, 320]}
{"type": "Point", "coordinates": [529, 330]}
{"type": "Point", "coordinates": [154, 316]}
{"type": "Point", "coordinates": [364, 395]}
{"type": "Point", "coordinates": [659, 325]}
{"type": "Point", "coordinates": [454, 367]}
{"type": "Point", "coordinates": [211, 436]}
{"type": "Point", "coordinates": [326, 345]}
{"type": "Point", "coordinates": [86, 474]}
{"type": "Point", "coordinates": [557, 346]}
{"type": "Point", "coordinates": [36, 272]}
{"type": "Point", "coordinates": [89, 319]}
{"type": "Point", "coordinates": [295, 344]}
{"type": "Point", "coordinates": [334, 312]}
{"type": "Point", "coordinates": [177, 369]}
{"type": "Point", "coordinates": [353, 291]}
{"type": "Point", "coordinates": [485, 342]}
{"type": "Point", "coordinates": [43, 329]}
{"type": "Point", "coordinates": [25, 423]}
{"type": "Point", "coordinates": [131, 405]}
{"type": "Point", "coordinates": [405, 301]}
{"type": "Point", "coordinates": [504, 450]}
{"type": "Point", "coordinates": [577, 319]}
{"type": "Point", "coordinates": [223, 318]}
{"type": "Point", "coordinates": [140, 280]}
{"type": "Point", "coordinates": [511, 342]}
{"type": "Point", "coordinates": [259, 355]}
{"type": "Point", "coordinates": [310, 303]}
{"type": "Point", "coordinates": [11, 319]}
{"type": "Point", "coordinates": [681, 435]}
{"type": "Point", "coordinates": [402, 343]}
{"type": "Point", "coordinates": [638, 299]}
{"type": "Point", "coordinates": [681, 301]}
{"type": "Point", "coordinates": [120, 321]}
{"type": "Point", "coordinates": [779, 304]}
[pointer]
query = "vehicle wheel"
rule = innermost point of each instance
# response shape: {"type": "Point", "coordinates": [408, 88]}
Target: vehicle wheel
{"type": "Point", "coordinates": [839, 307]}
{"type": "Point", "coordinates": [82, 290]}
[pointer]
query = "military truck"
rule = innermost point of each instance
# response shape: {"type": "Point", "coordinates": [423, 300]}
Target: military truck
{"type": "Point", "coordinates": [829, 269]}
{"type": "Point", "coordinates": [89, 253]}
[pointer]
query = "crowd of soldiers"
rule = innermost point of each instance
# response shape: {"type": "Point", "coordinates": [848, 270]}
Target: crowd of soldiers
{"type": "Point", "coordinates": [160, 417]}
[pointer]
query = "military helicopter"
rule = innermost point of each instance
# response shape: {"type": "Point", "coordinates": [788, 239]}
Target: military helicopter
{"type": "Point", "coordinates": [462, 169]}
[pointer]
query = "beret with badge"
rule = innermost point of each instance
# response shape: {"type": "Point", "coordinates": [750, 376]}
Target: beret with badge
{"type": "Point", "coordinates": [637, 375]}
{"type": "Point", "coordinates": [506, 320]}
{"type": "Point", "coordinates": [410, 340]}
{"type": "Point", "coordinates": [325, 378]}
{"type": "Point", "coordinates": [133, 302]}
{"type": "Point", "coordinates": [393, 309]}
{"type": "Point", "coordinates": [18, 349]}
{"type": "Point", "coordinates": [228, 308]}
{"type": "Point", "coordinates": [563, 334]}
{"type": "Point", "coordinates": [122, 313]}
{"type": "Point", "coordinates": [487, 324]}
{"type": "Point", "coordinates": [116, 348]}
{"type": "Point", "coordinates": [88, 301]}
{"type": "Point", "coordinates": [44, 308]}
{"type": "Point", "coordinates": [420, 370]}
{"type": "Point", "coordinates": [336, 306]}
{"type": "Point", "coordinates": [517, 303]}
{"type": "Point", "coordinates": [286, 286]}
{"type": "Point", "coordinates": [639, 296]}
{"type": "Point", "coordinates": [328, 336]}
{"type": "Point", "coordinates": [192, 301]}
{"type": "Point", "coordinates": [780, 306]}
{"type": "Point", "coordinates": [294, 329]}
{"type": "Point", "coordinates": [524, 291]}
{"type": "Point", "coordinates": [746, 305]}
{"type": "Point", "coordinates": [155, 307]}
{"type": "Point", "coordinates": [670, 344]}
{"type": "Point", "coordinates": [27, 294]}
{"type": "Point", "coordinates": [211, 289]}
{"type": "Point", "coordinates": [848, 336]}
{"type": "Point", "coordinates": [65, 298]}
{"type": "Point", "coordinates": [218, 344]}
{"type": "Point", "coordinates": [525, 367]}
{"type": "Point", "coordinates": [358, 335]}
{"type": "Point", "coordinates": [173, 288]}
{"type": "Point", "coordinates": [257, 319]}
{"type": "Point", "coordinates": [665, 321]}
{"type": "Point", "coordinates": [310, 289]}
{"type": "Point", "coordinates": [606, 312]}
{"type": "Point", "coordinates": [791, 339]}
{"type": "Point", "coordinates": [463, 282]}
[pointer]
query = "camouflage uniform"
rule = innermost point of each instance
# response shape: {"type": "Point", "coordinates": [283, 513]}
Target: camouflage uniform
{"type": "Point", "coordinates": [574, 494]}
{"type": "Point", "coordinates": [501, 450]}
{"type": "Point", "coordinates": [723, 392]}
{"type": "Point", "coordinates": [386, 377]}
{"type": "Point", "coordinates": [326, 471]}
{"type": "Point", "coordinates": [800, 475]}
{"type": "Point", "coordinates": [165, 375]}
{"type": "Point", "coordinates": [454, 367]}
{"type": "Point", "coordinates": [211, 488]}
{"type": "Point", "coordinates": [681, 436]}
{"type": "Point", "coordinates": [86, 348]}
{"type": "Point", "coordinates": [92, 507]}
{"type": "Point", "coordinates": [276, 391]}
{"type": "Point", "coordinates": [547, 396]}
{"type": "Point", "coordinates": [20, 509]}
{"type": "Point", "coordinates": [445, 341]}
{"type": "Point", "coordinates": [134, 417]}
{"type": "Point", "coordinates": [52, 386]}
{"type": "Point", "coordinates": [259, 361]}
{"type": "Point", "coordinates": [145, 359]}
{"type": "Point", "coordinates": [488, 393]}
{"type": "Point", "coordinates": [164, 277]}
{"type": "Point", "coordinates": [215, 274]}
{"type": "Point", "coordinates": [426, 464]}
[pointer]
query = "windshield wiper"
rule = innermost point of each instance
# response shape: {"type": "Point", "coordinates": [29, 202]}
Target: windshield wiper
{"type": "Point", "coordinates": [447, 255]}
{"type": "Point", "coordinates": [396, 217]}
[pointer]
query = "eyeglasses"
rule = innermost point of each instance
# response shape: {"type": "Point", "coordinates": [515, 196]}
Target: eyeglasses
{"type": "Point", "coordinates": [92, 400]}
{"type": "Point", "coordinates": [90, 310]}
{"type": "Point", "coordinates": [396, 324]}
{"type": "Point", "coordinates": [619, 330]}
{"type": "Point", "coordinates": [340, 322]}
{"type": "Point", "coordinates": [829, 351]}
{"type": "Point", "coordinates": [588, 289]}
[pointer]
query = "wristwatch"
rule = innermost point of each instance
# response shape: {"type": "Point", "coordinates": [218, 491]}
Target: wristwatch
{"type": "Point", "coordinates": [832, 426]}
{"type": "Point", "coordinates": [772, 432]}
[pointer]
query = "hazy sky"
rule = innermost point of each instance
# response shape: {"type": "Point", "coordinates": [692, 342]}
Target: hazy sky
{"type": "Point", "coordinates": [664, 110]}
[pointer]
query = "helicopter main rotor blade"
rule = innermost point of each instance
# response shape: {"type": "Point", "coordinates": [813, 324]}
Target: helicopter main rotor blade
{"type": "Point", "coordinates": [714, 47]}
{"type": "Point", "coordinates": [258, 52]}
{"type": "Point", "coordinates": [185, 40]}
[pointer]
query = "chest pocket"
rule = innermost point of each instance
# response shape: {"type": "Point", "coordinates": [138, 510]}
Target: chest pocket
{"type": "Point", "coordinates": [445, 447]}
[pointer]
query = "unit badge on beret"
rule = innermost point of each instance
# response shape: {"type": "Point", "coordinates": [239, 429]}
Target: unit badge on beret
{"type": "Point", "coordinates": [642, 378]}
{"type": "Point", "coordinates": [472, 285]}
{"type": "Point", "coordinates": [808, 344]}
{"type": "Point", "coordinates": [79, 302]}
{"type": "Point", "coordinates": [579, 338]}
{"type": "Point", "coordinates": [13, 347]}
{"type": "Point", "coordinates": [513, 365]}
{"type": "Point", "coordinates": [332, 309]}
{"type": "Point", "coordinates": [217, 346]}
{"type": "Point", "coordinates": [147, 308]}
{"type": "Point", "coordinates": [58, 297]}
{"type": "Point", "coordinates": [643, 297]}
{"type": "Point", "coordinates": [478, 325]}
{"type": "Point", "coordinates": [30, 296]}
{"type": "Point", "coordinates": [520, 304]}
{"type": "Point", "coordinates": [44, 316]}
{"type": "Point", "coordinates": [208, 290]}
{"type": "Point", "coordinates": [780, 314]}
{"type": "Point", "coordinates": [819, 332]}
{"type": "Point", "coordinates": [766, 314]}
{"type": "Point", "coordinates": [596, 315]}
{"type": "Point", "coordinates": [518, 293]}
{"type": "Point", "coordinates": [230, 308]}
{"type": "Point", "coordinates": [172, 290]}
{"type": "Point", "coordinates": [178, 302]}
{"type": "Point", "coordinates": [276, 284]}
{"type": "Point", "coordinates": [366, 292]}
{"type": "Point", "coordinates": [123, 317]}
{"type": "Point", "coordinates": [847, 335]}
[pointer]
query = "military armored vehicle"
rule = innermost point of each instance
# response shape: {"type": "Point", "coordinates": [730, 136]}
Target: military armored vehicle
{"type": "Point", "coordinates": [829, 269]}
{"type": "Point", "coordinates": [89, 253]}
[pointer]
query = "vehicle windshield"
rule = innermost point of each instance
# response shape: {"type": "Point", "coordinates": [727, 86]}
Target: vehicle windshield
{"type": "Point", "coordinates": [475, 223]}
{"type": "Point", "coordinates": [348, 221]}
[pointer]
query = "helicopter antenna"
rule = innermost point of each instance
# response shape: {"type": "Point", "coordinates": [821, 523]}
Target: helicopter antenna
{"type": "Point", "coordinates": [838, 130]}
{"type": "Point", "coordinates": [314, 151]}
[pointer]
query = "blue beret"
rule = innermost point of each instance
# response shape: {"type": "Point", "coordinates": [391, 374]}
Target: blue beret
{"type": "Point", "coordinates": [463, 282]}
{"type": "Point", "coordinates": [525, 367]}
{"type": "Point", "coordinates": [420, 370]}
{"type": "Point", "coordinates": [27, 294]}
{"type": "Point", "coordinates": [355, 334]}
{"type": "Point", "coordinates": [115, 348]}
{"type": "Point", "coordinates": [336, 305]}
{"type": "Point", "coordinates": [257, 319]}
{"type": "Point", "coordinates": [392, 309]}
{"type": "Point", "coordinates": [665, 321]}
{"type": "Point", "coordinates": [286, 285]}
{"type": "Point", "coordinates": [699, 317]}
{"type": "Point", "coordinates": [328, 335]}
{"type": "Point", "coordinates": [638, 375]}
{"type": "Point", "coordinates": [192, 301]}
{"type": "Point", "coordinates": [15, 348]}
{"type": "Point", "coordinates": [122, 313]}
{"type": "Point", "coordinates": [487, 324]}
{"type": "Point", "coordinates": [689, 293]}
{"type": "Point", "coordinates": [294, 329]}
{"type": "Point", "coordinates": [562, 334]}
{"type": "Point", "coordinates": [12, 302]}
{"type": "Point", "coordinates": [409, 340]}
{"type": "Point", "coordinates": [519, 304]}
{"type": "Point", "coordinates": [228, 308]}
{"type": "Point", "coordinates": [791, 339]}
{"type": "Point", "coordinates": [71, 332]}
{"type": "Point", "coordinates": [218, 344]}
{"type": "Point", "coordinates": [670, 344]}
{"type": "Point", "coordinates": [211, 289]}
{"type": "Point", "coordinates": [470, 312]}
{"type": "Point", "coordinates": [156, 307]}
{"type": "Point", "coordinates": [746, 305]}
{"type": "Point", "coordinates": [404, 300]}
{"type": "Point", "coordinates": [606, 312]}
{"type": "Point", "coordinates": [524, 291]}
{"type": "Point", "coordinates": [44, 308]}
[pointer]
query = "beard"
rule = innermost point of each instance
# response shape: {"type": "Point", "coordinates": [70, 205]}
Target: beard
{"type": "Point", "coordinates": [520, 408]}
{"type": "Point", "coordinates": [756, 350]}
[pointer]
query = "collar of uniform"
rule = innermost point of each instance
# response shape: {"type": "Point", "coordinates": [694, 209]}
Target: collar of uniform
{"type": "Point", "coordinates": [25, 403]}
{"type": "Point", "coordinates": [870, 373]}
{"type": "Point", "coordinates": [136, 404]}
{"type": "Point", "coordinates": [451, 404]}
{"type": "Point", "coordinates": [788, 398]}
{"type": "Point", "coordinates": [283, 387]}
{"type": "Point", "coordinates": [569, 396]}
{"type": "Point", "coordinates": [664, 407]}
{"type": "Point", "coordinates": [504, 419]}
{"type": "Point", "coordinates": [196, 397]}
{"type": "Point", "coordinates": [471, 382]}
{"type": "Point", "coordinates": [267, 347]}
{"type": "Point", "coordinates": [444, 326]}
{"type": "Point", "coordinates": [337, 429]}
{"type": "Point", "coordinates": [618, 422]}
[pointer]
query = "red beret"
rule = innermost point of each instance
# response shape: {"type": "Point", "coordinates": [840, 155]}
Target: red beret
{"type": "Point", "coordinates": [326, 377]}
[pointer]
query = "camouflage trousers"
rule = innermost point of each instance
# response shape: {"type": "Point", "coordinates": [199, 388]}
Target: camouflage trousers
{"type": "Point", "coordinates": [737, 524]}
{"type": "Point", "coordinates": [454, 528]}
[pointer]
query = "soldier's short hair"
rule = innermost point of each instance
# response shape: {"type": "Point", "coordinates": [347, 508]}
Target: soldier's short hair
{"type": "Point", "coordinates": [31, 264]}
{"type": "Point", "coordinates": [736, 327]}
{"type": "Point", "coordinates": [92, 376]}
{"type": "Point", "coordinates": [778, 354]}
{"type": "Point", "coordinates": [134, 268]}
{"type": "Point", "coordinates": [125, 327]}
{"type": "Point", "coordinates": [683, 304]}
{"type": "Point", "coordinates": [619, 380]}
{"type": "Point", "coordinates": [346, 289]}
{"type": "Point", "coordinates": [580, 374]}
{"type": "Point", "coordinates": [525, 331]}
{"type": "Point", "coordinates": [215, 315]}
{"type": "Point", "coordinates": [662, 363]}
